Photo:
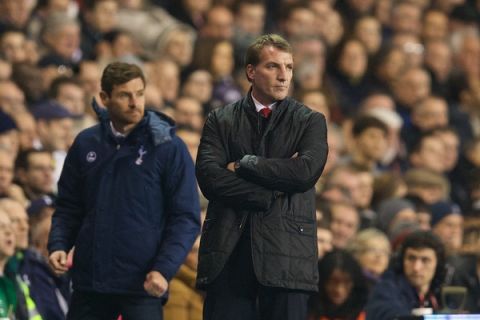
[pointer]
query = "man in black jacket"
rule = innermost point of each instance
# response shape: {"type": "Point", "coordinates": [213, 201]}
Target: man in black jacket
{"type": "Point", "coordinates": [258, 161]}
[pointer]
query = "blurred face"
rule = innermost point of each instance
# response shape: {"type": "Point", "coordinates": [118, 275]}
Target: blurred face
{"type": "Point", "coordinates": [219, 23]}
{"type": "Point", "coordinates": [452, 147]}
{"type": "Point", "coordinates": [419, 267]}
{"type": "Point", "coordinates": [375, 257]}
{"type": "Point", "coordinates": [180, 47]}
{"type": "Point", "coordinates": [19, 219]}
{"type": "Point", "coordinates": [299, 22]}
{"type": "Point", "coordinates": [353, 61]}
{"type": "Point", "coordinates": [12, 98]}
{"type": "Point", "coordinates": [406, 18]}
{"type": "Point", "coordinates": [435, 26]}
{"type": "Point", "coordinates": [309, 57]}
{"type": "Point", "coordinates": [7, 238]}
{"type": "Point", "coordinates": [192, 140]}
{"type": "Point", "coordinates": [413, 87]}
{"type": "Point", "coordinates": [317, 102]}
{"type": "Point", "coordinates": [66, 41]}
{"type": "Point", "coordinates": [222, 60]}
{"type": "Point", "coordinates": [450, 231]}
{"type": "Point", "coordinates": [199, 86]}
{"type": "Point", "coordinates": [372, 142]}
{"type": "Point", "coordinates": [393, 65]}
{"type": "Point", "coordinates": [405, 215]}
{"type": "Point", "coordinates": [251, 18]}
{"type": "Point", "coordinates": [39, 174]}
{"type": "Point", "coordinates": [123, 45]}
{"type": "Point", "coordinates": [39, 233]}
{"type": "Point", "coordinates": [271, 77]}
{"type": "Point", "coordinates": [105, 15]}
{"type": "Point", "coordinates": [438, 57]}
{"type": "Point", "coordinates": [9, 141]}
{"type": "Point", "coordinates": [365, 189]}
{"type": "Point", "coordinates": [189, 111]}
{"type": "Point", "coordinates": [432, 113]}
{"type": "Point", "coordinates": [324, 241]}
{"type": "Point", "coordinates": [424, 220]}
{"type": "Point", "coordinates": [368, 31]}
{"type": "Point", "coordinates": [13, 47]}
{"type": "Point", "coordinates": [168, 80]}
{"type": "Point", "coordinates": [428, 156]}
{"type": "Point", "coordinates": [56, 134]}
{"type": "Point", "coordinates": [338, 287]}
{"type": "Point", "coordinates": [27, 130]}
{"type": "Point", "coordinates": [126, 104]}
{"type": "Point", "coordinates": [72, 97]}
{"type": "Point", "coordinates": [6, 172]}
{"type": "Point", "coordinates": [344, 226]}
{"type": "Point", "coordinates": [333, 28]}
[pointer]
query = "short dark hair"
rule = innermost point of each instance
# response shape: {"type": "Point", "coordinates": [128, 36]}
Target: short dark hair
{"type": "Point", "coordinates": [58, 82]}
{"type": "Point", "coordinates": [426, 240]}
{"type": "Point", "coordinates": [23, 158]}
{"type": "Point", "coordinates": [117, 73]}
{"type": "Point", "coordinates": [365, 122]}
{"type": "Point", "coordinates": [268, 40]}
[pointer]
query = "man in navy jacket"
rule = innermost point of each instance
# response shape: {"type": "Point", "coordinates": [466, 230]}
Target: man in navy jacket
{"type": "Point", "coordinates": [128, 202]}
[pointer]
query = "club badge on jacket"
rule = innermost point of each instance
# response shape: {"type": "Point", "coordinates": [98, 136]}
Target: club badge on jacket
{"type": "Point", "coordinates": [141, 153]}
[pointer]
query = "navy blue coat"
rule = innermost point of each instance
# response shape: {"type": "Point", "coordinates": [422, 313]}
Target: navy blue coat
{"type": "Point", "coordinates": [128, 207]}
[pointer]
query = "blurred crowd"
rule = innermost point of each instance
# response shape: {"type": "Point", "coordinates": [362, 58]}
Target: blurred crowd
{"type": "Point", "coordinates": [398, 81]}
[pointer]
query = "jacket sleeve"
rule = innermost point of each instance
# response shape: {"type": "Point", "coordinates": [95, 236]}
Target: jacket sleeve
{"type": "Point", "coordinates": [291, 175]}
{"type": "Point", "coordinates": [69, 213]}
{"type": "Point", "coordinates": [219, 183]}
{"type": "Point", "coordinates": [182, 224]}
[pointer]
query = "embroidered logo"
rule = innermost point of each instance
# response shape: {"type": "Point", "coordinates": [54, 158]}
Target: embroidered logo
{"type": "Point", "coordinates": [141, 153]}
{"type": "Point", "coordinates": [91, 156]}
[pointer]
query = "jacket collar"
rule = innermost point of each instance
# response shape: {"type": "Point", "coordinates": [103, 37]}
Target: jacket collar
{"type": "Point", "coordinates": [160, 127]}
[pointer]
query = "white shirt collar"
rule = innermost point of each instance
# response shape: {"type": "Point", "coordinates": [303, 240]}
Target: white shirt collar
{"type": "Point", "coordinates": [260, 106]}
{"type": "Point", "coordinates": [115, 132]}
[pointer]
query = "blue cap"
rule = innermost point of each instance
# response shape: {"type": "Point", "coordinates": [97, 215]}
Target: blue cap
{"type": "Point", "coordinates": [442, 209]}
{"type": "Point", "coordinates": [6, 123]}
{"type": "Point", "coordinates": [51, 110]}
{"type": "Point", "coordinates": [37, 205]}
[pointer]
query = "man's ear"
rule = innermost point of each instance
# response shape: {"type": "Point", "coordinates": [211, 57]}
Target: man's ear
{"type": "Point", "coordinates": [104, 97]}
{"type": "Point", "coordinates": [250, 71]}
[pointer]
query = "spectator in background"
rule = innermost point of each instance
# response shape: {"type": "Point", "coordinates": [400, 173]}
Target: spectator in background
{"type": "Point", "coordinates": [177, 44]}
{"type": "Point", "coordinates": [413, 281]}
{"type": "Point", "coordinates": [309, 56]}
{"type": "Point", "coordinates": [50, 292]}
{"type": "Point", "coordinates": [12, 302]}
{"type": "Point", "coordinates": [342, 288]}
{"type": "Point", "coordinates": [21, 259]}
{"type": "Point", "coordinates": [434, 26]}
{"type": "Point", "coordinates": [98, 18]}
{"type": "Point", "coordinates": [372, 249]}
{"type": "Point", "coordinates": [165, 76]}
{"type": "Point", "coordinates": [69, 93]}
{"type": "Point", "coordinates": [198, 84]}
{"type": "Point", "coordinates": [185, 302]}
{"type": "Point", "coordinates": [191, 138]}
{"type": "Point", "coordinates": [369, 142]}
{"type": "Point", "coordinates": [393, 211]}
{"type": "Point", "coordinates": [189, 112]}
{"type": "Point", "coordinates": [34, 171]}
{"type": "Point", "coordinates": [216, 56]}
{"type": "Point", "coordinates": [426, 184]}
{"type": "Point", "coordinates": [8, 189]}
{"type": "Point", "coordinates": [15, 13]}
{"type": "Point", "coordinates": [12, 98]}
{"type": "Point", "coordinates": [62, 38]}
{"type": "Point", "coordinates": [55, 131]}
{"type": "Point", "coordinates": [27, 131]}
{"type": "Point", "coordinates": [218, 23]}
{"type": "Point", "coordinates": [429, 153]}
{"type": "Point", "coordinates": [369, 31]}
{"type": "Point", "coordinates": [249, 22]}
{"type": "Point", "coordinates": [13, 47]}
{"type": "Point", "coordinates": [296, 19]}
{"type": "Point", "coordinates": [9, 140]}
{"type": "Point", "coordinates": [447, 224]}
{"type": "Point", "coordinates": [345, 223]}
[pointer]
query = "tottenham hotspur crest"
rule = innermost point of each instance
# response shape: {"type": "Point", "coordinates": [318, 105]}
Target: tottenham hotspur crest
{"type": "Point", "coordinates": [91, 156]}
{"type": "Point", "coordinates": [141, 153]}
